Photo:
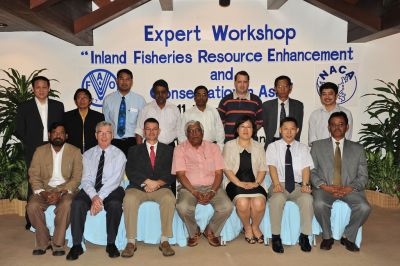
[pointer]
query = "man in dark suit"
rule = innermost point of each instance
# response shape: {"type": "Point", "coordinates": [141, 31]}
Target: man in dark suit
{"type": "Point", "coordinates": [149, 173]}
{"type": "Point", "coordinates": [274, 111]}
{"type": "Point", "coordinates": [340, 173]}
{"type": "Point", "coordinates": [33, 119]}
{"type": "Point", "coordinates": [80, 123]}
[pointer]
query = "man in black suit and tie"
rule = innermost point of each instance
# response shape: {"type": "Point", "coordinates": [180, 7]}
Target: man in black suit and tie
{"type": "Point", "coordinates": [33, 119]}
{"type": "Point", "coordinates": [274, 111]}
{"type": "Point", "coordinates": [80, 123]}
{"type": "Point", "coordinates": [149, 172]}
{"type": "Point", "coordinates": [340, 173]}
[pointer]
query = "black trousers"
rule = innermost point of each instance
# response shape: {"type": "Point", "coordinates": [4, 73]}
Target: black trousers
{"type": "Point", "coordinates": [124, 144]}
{"type": "Point", "coordinates": [81, 205]}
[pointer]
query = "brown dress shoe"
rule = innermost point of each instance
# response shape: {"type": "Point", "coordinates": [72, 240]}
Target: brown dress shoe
{"type": "Point", "coordinates": [129, 250]}
{"type": "Point", "coordinates": [212, 239]}
{"type": "Point", "coordinates": [193, 241]}
{"type": "Point", "coordinates": [166, 249]}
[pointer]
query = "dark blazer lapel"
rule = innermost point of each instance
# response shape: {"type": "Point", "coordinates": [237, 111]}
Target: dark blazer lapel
{"type": "Point", "coordinates": [50, 111]}
{"type": "Point", "coordinates": [35, 112]}
{"type": "Point", "coordinates": [292, 108]}
{"type": "Point", "coordinates": [274, 117]}
{"type": "Point", "coordinates": [146, 157]}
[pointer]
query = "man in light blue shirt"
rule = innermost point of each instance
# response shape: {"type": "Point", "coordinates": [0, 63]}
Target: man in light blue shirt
{"type": "Point", "coordinates": [103, 170]}
{"type": "Point", "coordinates": [121, 109]}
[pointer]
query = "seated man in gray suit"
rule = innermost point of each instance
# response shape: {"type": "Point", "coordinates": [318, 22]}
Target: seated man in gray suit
{"type": "Point", "coordinates": [336, 178]}
{"type": "Point", "coordinates": [274, 111]}
{"type": "Point", "coordinates": [149, 173]}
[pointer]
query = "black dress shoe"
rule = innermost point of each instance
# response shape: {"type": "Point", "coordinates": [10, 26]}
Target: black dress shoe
{"type": "Point", "coordinates": [277, 245]}
{"type": "Point", "coordinates": [112, 251]}
{"type": "Point", "coordinates": [39, 251]}
{"type": "Point", "coordinates": [75, 252]}
{"type": "Point", "coordinates": [349, 245]}
{"type": "Point", "coordinates": [304, 243]}
{"type": "Point", "coordinates": [58, 253]}
{"type": "Point", "coordinates": [28, 226]}
{"type": "Point", "coordinates": [326, 244]}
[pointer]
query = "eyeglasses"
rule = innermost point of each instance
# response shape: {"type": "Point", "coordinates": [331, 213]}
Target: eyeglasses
{"type": "Point", "coordinates": [151, 129]}
{"type": "Point", "coordinates": [102, 134]}
{"type": "Point", "coordinates": [194, 130]}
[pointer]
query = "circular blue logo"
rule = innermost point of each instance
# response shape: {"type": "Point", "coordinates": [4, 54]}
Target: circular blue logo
{"type": "Point", "coordinates": [98, 81]}
{"type": "Point", "coordinates": [343, 77]}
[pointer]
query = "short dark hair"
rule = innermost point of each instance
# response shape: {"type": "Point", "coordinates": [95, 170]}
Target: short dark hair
{"type": "Point", "coordinates": [151, 120]}
{"type": "Point", "coordinates": [328, 85]}
{"type": "Point", "coordinates": [85, 91]}
{"type": "Point", "coordinates": [40, 78]}
{"type": "Point", "coordinates": [283, 77]}
{"type": "Point", "coordinates": [160, 83]}
{"type": "Point", "coordinates": [339, 114]}
{"type": "Point", "coordinates": [201, 87]}
{"type": "Point", "coordinates": [242, 73]}
{"type": "Point", "coordinates": [55, 125]}
{"type": "Point", "coordinates": [288, 119]}
{"type": "Point", "coordinates": [244, 119]}
{"type": "Point", "coordinates": [126, 71]}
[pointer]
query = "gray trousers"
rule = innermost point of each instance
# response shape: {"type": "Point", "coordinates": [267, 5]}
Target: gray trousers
{"type": "Point", "coordinates": [277, 202]}
{"type": "Point", "coordinates": [358, 204]}
{"type": "Point", "coordinates": [186, 207]}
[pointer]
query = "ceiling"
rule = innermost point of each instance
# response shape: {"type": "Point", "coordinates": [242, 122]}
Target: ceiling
{"type": "Point", "coordinates": [74, 20]}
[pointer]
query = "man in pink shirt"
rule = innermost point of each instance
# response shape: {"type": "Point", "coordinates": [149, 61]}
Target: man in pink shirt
{"type": "Point", "coordinates": [198, 166]}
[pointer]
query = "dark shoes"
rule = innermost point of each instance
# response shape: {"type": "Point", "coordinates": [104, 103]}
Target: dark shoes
{"type": "Point", "coordinates": [112, 251]}
{"type": "Point", "coordinates": [28, 226]}
{"type": "Point", "coordinates": [75, 252]}
{"type": "Point", "coordinates": [277, 245]}
{"type": "Point", "coordinates": [326, 244]}
{"type": "Point", "coordinates": [212, 239]}
{"type": "Point", "coordinates": [304, 243]}
{"type": "Point", "coordinates": [193, 241]}
{"type": "Point", "coordinates": [39, 251]}
{"type": "Point", "coordinates": [350, 246]}
{"type": "Point", "coordinates": [129, 250]}
{"type": "Point", "coordinates": [166, 249]}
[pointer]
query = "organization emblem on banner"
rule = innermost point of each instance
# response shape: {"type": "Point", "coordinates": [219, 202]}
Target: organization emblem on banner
{"type": "Point", "coordinates": [343, 76]}
{"type": "Point", "coordinates": [98, 81]}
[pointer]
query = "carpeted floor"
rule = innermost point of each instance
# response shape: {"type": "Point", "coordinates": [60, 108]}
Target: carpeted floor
{"type": "Point", "coordinates": [380, 246]}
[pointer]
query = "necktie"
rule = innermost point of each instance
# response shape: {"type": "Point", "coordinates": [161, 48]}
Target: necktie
{"type": "Point", "coordinates": [289, 175]}
{"type": "Point", "coordinates": [283, 112]}
{"type": "Point", "coordinates": [337, 168]}
{"type": "Point", "coordinates": [99, 175]}
{"type": "Point", "coordinates": [152, 156]}
{"type": "Point", "coordinates": [121, 118]}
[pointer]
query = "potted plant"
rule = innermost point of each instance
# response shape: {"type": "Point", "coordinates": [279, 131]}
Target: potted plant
{"type": "Point", "coordinates": [13, 183]}
{"type": "Point", "coordinates": [381, 138]}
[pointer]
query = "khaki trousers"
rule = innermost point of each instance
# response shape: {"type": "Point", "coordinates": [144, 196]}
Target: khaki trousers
{"type": "Point", "coordinates": [132, 200]}
{"type": "Point", "coordinates": [36, 208]}
{"type": "Point", "coordinates": [186, 207]}
{"type": "Point", "coordinates": [277, 202]}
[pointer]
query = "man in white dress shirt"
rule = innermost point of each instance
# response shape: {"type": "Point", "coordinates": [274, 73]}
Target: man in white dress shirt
{"type": "Point", "coordinates": [318, 122]}
{"type": "Point", "coordinates": [166, 113]}
{"type": "Point", "coordinates": [208, 117]}
{"type": "Point", "coordinates": [289, 163]}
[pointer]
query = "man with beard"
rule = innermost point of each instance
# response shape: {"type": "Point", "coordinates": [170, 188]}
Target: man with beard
{"type": "Point", "coordinates": [55, 174]}
{"type": "Point", "coordinates": [121, 109]}
{"type": "Point", "coordinates": [164, 112]}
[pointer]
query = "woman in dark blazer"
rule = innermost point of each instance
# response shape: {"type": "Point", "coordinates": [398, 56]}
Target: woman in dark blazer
{"type": "Point", "coordinates": [80, 124]}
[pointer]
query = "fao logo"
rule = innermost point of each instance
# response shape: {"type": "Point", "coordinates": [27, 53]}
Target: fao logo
{"type": "Point", "coordinates": [98, 81]}
{"type": "Point", "coordinates": [344, 77]}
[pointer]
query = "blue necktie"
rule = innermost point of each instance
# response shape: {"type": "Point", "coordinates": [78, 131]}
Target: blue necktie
{"type": "Point", "coordinates": [121, 118]}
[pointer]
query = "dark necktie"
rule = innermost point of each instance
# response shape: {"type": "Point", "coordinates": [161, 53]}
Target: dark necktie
{"type": "Point", "coordinates": [283, 112]}
{"type": "Point", "coordinates": [289, 175]}
{"type": "Point", "coordinates": [152, 156]}
{"type": "Point", "coordinates": [121, 118]}
{"type": "Point", "coordinates": [337, 169]}
{"type": "Point", "coordinates": [99, 175]}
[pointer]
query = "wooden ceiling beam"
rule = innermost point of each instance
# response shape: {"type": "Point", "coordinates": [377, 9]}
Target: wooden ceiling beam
{"type": "Point", "coordinates": [101, 3]}
{"type": "Point", "coordinates": [105, 14]}
{"type": "Point", "coordinates": [38, 5]}
{"type": "Point", "coordinates": [166, 5]}
{"type": "Point", "coordinates": [349, 12]}
{"type": "Point", "coordinates": [275, 4]}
